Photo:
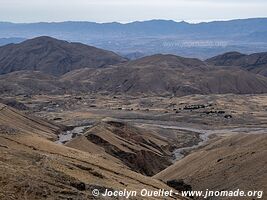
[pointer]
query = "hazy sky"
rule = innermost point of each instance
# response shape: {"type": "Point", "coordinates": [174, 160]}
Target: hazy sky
{"type": "Point", "coordinates": [129, 10]}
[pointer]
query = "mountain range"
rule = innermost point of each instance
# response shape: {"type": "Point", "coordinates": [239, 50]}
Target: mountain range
{"type": "Point", "coordinates": [144, 28]}
{"type": "Point", "coordinates": [47, 65]}
{"type": "Point", "coordinates": [169, 106]}
{"type": "Point", "coordinates": [201, 40]}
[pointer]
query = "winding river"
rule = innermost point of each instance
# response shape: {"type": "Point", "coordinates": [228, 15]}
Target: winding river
{"type": "Point", "coordinates": [179, 153]}
{"type": "Point", "coordinates": [68, 135]}
{"type": "Point", "coordinates": [204, 135]}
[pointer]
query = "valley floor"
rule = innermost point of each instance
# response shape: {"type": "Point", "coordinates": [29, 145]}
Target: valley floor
{"type": "Point", "coordinates": [175, 129]}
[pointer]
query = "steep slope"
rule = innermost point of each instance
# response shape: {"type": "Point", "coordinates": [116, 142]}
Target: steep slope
{"type": "Point", "coordinates": [233, 162]}
{"type": "Point", "coordinates": [33, 167]}
{"type": "Point", "coordinates": [12, 121]}
{"type": "Point", "coordinates": [139, 149]}
{"type": "Point", "coordinates": [168, 75]}
{"type": "Point", "coordinates": [256, 62]}
{"type": "Point", "coordinates": [53, 56]}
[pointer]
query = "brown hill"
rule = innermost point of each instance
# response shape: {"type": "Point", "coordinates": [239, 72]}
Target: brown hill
{"type": "Point", "coordinates": [165, 74]}
{"type": "Point", "coordinates": [33, 167]}
{"type": "Point", "coordinates": [53, 56]}
{"type": "Point", "coordinates": [141, 150]}
{"type": "Point", "coordinates": [153, 75]}
{"type": "Point", "coordinates": [233, 162]}
{"type": "Point", "coordinates": [256, 63]}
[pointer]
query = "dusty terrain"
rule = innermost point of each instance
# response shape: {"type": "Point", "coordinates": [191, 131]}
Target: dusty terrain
{"type": "Point", "coordinates": [34, 167]}
{"type": "Point", "coordinates": [198, 110]}
{"type": "Point", "coordinates": [229, 163]}
{"type": "Point", "coordinates": [126, 134]}
{"type": "Point", "coordinates": [91, 120]}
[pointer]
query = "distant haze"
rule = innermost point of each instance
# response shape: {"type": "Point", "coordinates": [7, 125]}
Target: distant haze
{"type": "Point", "coordinates": [138, 39]}
{"type": "Point", "coordinates": [129, 10]}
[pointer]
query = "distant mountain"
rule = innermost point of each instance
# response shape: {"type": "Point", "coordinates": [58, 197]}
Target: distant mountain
{"type": "Point", "coordinates": [147, 28]}
{"type": "Point", "coordinates": [5, 41]}
{"type": "Point", "coordinates": [202, 40]}
{"type": "Point", "coordinates": [257, 37]}
{"type": "Point", "coordinates": [256, 62]}
{"type": "Point", "coordinates": [53, 56]}
{"type": "Point", "coordinates": [51, 66]}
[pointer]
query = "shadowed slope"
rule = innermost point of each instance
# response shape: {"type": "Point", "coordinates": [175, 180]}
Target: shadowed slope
{"type": "Point", "coordinates": [141, 150]}
{"type": "Point", "coordinates": [256, 63]}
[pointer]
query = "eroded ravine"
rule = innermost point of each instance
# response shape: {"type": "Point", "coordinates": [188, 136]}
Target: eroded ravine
{"type": "Point", "coordinates": [204, 135]}
{"type": "Point", "coordinates": [179, 153]}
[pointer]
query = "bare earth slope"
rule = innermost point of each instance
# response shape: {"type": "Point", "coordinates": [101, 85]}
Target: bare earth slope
{"type": "Point", "coordinates": [33, 167]}
{"type": "Point", "coordinates": [12, 121]}
{"type": "Point", "coordinates": [233, 162]}
{"type": "Point", "coordinates": [53, 56]}
{"type": "Point", "coordinates": [141, 150]}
